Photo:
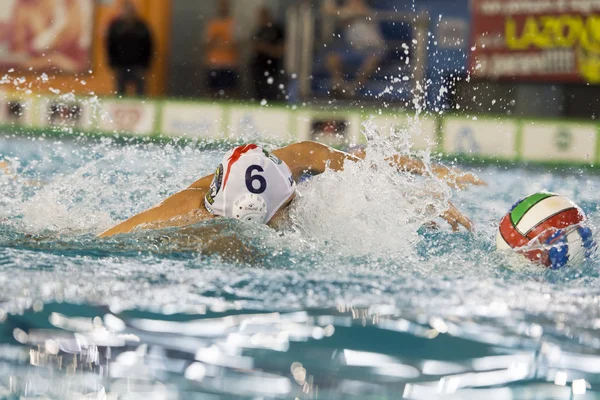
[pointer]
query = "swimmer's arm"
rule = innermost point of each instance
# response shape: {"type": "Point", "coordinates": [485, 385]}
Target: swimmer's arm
{"type": "Point", "coordinates": [452, 176]}
{"type": "Point", "coordinates": [456, 218]}
{"type": "Point", "coordinates": [178, 204]}
{"type": "Point", "coordinates": [202, 183]}
{"type": "Point", "coordinates": [312, 157]}
{"type": "Point", "coordinates": [452, 215]}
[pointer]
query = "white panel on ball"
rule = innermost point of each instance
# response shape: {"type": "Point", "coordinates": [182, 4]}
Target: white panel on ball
{"type": "Point", "coordinates": [542, 211]}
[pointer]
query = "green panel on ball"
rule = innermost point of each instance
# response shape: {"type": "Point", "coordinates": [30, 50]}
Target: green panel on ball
{"type": "Point", "coordinates": [521, 209]}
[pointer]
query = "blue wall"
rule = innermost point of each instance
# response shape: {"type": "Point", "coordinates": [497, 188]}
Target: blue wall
{"type": "Point", "coordinates": [445, 59]}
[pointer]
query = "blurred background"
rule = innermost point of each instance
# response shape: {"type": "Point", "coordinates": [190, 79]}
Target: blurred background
{"type": "Point", "coordinates": [515, 57]}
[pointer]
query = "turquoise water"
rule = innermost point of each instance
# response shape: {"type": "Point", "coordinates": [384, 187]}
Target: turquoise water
{"type": "Point", "coordinates": [353, 300]}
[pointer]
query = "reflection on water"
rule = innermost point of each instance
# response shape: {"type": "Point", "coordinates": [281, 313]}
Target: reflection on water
{"type": "Point", "coordinates": [83, 352]}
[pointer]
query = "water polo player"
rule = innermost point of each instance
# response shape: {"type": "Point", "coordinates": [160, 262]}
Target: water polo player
{"type": "Point", "coordinates": [254, 185]}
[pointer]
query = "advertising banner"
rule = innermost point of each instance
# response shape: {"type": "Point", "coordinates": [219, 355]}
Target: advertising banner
{"type": "Point", "coordinates": [568, 142]}
{"type": "Point", "coordinates": [46, 34]}
{"type": "Point", "coordinates": [419, 133]}
{"type": "Point", "coordinates": [127, 116]}
{"type": "Point", "coordinates": [334, 129]}
{"type": "Point", "coordinates": [486, 138]}
{"type": "Point", "coordinates": [65, 113]}
{"type": "Point", "coordinates": [192, 120]}
{"type": "Point", "coordinates": [253, 123]}
{"type": "Point", "coordinates": [16, 110]}
{"type": "Point", "coordinates": [543, 40]}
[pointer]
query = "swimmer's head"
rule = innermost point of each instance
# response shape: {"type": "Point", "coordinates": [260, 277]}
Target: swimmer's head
{"type": "Point", "coordinates": [250, 184]}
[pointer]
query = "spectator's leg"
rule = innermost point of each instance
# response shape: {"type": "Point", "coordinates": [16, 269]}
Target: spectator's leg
{"type": "Point", "coordinates": [367, 68]}
{"type": "Point", "coordinates": [121, 78]}
{"type": "Point", "coordinates": [222, 82]}
{"type": "Point", "coordinates": [258, 76]}
{"type": "Point", "coordinates": [273, 91]}
{"type": "Point", "coordinates": [212, 82]}
{"type": "Point", "coordinates": [139, 79]}
{"type": "Point", "coordinates": [229, 84]}
{"type": "Point", "coordinates": [336, 69]}
{"type": "Point", "coordinates": [264, 90]}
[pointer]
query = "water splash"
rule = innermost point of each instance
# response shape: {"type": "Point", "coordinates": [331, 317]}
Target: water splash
{"type": "Point", "coordinates": [370, 208]}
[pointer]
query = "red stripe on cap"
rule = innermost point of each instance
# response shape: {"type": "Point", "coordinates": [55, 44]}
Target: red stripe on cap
{"type": "Point", "coordinates": [237, 154]}
{"type": "Point", "coordinates": [510, 234]}
{"type": "Point", "coordinates": [561, 220]}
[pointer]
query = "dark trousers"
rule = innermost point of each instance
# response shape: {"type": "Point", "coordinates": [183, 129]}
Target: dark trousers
{"type": "Point", "coordinates": [222, 82]}
{"type": "Point", "coordinates": [137, 76]}
{"type": "Point", "coordinates": [262, 88]}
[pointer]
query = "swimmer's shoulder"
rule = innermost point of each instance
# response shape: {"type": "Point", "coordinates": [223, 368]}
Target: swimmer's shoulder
{"type": "Point", "coordinates": [202, 183]}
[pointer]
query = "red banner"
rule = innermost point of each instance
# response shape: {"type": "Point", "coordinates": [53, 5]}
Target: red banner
{"type": "Point", "coordinates": [543, 40]}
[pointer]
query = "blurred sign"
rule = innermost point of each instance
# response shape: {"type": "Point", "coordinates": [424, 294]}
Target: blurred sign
{"type": "Point", "coordinates": [570, 142]}
{"type": "Point", "coordinates": [411, 133]}
{"type": "Point", "coordinates": [192, 120]}
{"type": "Point", "coordinates": [129, 116]}
{"type": "Point", "coordinates": [329, 131]}
{"type": "Point", "coordinates": [452, 33]}
{"type": "Point", "coordinates": [16, 111]}
{"type": "Point", "coordinates": [65, 113]}
{"type": "Point", "coordinates": [335, 129]}
{"type": "Point", "coordinates": [550, 40]}
{"type": "Point", "coordinates": [251, 124]}
{"type": "Point", "coordinates": [480, 138]}
{"type": "Point", "coordinates": [49, 34]}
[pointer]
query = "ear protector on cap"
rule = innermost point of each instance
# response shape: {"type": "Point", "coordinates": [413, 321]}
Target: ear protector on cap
{"type": "Point", "coordinates": [250, 208]}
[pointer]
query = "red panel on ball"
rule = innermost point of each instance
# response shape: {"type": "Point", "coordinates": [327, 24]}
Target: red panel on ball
{"type": "Point", "coordinates": [541, 255]}
{"type": "Point", "coordinates": [565, 218]}
{"type": "Point", "coordinates": [510, 234]}
{"type": "Point", "coordinates": [538, 256]}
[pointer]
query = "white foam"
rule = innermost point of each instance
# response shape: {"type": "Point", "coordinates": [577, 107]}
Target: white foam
{"type": "Point", "coordinates": [369, 208]}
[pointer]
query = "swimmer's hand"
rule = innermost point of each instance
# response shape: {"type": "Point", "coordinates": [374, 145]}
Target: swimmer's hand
{"type": "Point", "coordinates": [454, 177]}
{"type": "Point", "coordinates": [455, 218]}
{"type": "Point", "coordinates": [5, 169]}
{"type": "Point", "coordinates": [460, 180]}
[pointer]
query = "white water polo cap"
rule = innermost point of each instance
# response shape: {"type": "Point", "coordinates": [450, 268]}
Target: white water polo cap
{"type": "Point", "coordinates": [250, 184]}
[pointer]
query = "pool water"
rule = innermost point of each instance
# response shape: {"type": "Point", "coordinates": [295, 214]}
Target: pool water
{"type": "Point", "coordinates": [353, 300]}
